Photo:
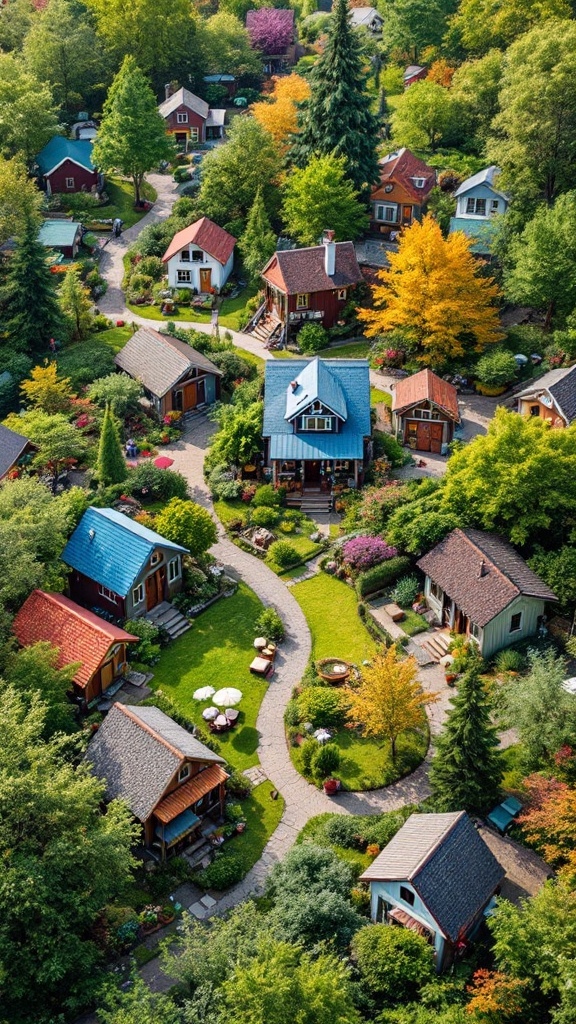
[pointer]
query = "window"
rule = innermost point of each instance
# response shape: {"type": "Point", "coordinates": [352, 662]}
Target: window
{"type": "Point", "coordinates": [301, 302]}
{"type": "Point", "coordinates": [317, 423]}
{"type": "Point", "coordinates": [436, 591]}
{"type": "Point", "coordinates": [477, 206]}
{"type": "Point", "coordinates": [108, 594]}
{"type": "Point", "coordinates": [173, 570]}
{"type": "Point", "coordinates": [193, 135]}
{"type": "Point", "coordinates": [181, 117]}
{"type": "Point", "coordinates": [185, 256]}
{"type": "Point", "coordinates": [475, 631]}
{"type": "Point", "coordinates": [69, 182]}
{"type": "Point", "coordinates": [407, 895]}
{"type": "Point", "coordinates": [138, 594]}
{"type": "Point", "coordinates": [197, 256]}
{"type": "Point", "coordinates": [388, 213]}
{"type": "Point", "coordinates": [183, 276]}
{"type": "Point", "coordinates": [155, 558]}
{"type": "Point", "coordinates": [534, 410]}
{"type": "Point", "coordinates": [516, 622]}
{"type": "Point", "coordinates": [184, 773]}
{"type": "Point", "coordinates": [418, 182]}
{"type": "Point", "coordinates": [341, 293]}
{"type": "Point", "coordinates": [494, 206]}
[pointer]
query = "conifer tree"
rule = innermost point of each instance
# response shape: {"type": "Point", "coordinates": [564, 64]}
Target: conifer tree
{"type": "Point", "coordinates": [258, 241]}
{"type": "Point", "coordinates": [466, 769]}
{"type": "Point", "coordinates": [29, 308]}
{"type": "Point", "coordinates": [337, 119]}
{"type": "Point", "coordinates": [111, 466]}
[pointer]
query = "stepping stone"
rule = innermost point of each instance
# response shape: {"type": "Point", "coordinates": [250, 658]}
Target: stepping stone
{"type": "Point", "coordinates": [208, 901]}
{"type": "Point", "coordinates": [395, 613]}
{"type": "Point", "coordinates": [198, 911]}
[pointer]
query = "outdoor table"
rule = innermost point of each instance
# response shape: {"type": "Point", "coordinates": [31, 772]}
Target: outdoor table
{"type": "Point", "coordinates": [232, 715]}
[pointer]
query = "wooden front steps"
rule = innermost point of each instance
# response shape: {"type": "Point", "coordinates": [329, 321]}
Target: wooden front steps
{"type": "Point", "coordinates": [437, 644]}
{"type": "Point", "coordinates": [266, 327]}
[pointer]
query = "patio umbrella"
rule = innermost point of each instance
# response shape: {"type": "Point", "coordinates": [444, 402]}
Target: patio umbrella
{"type": "Point", "coordinates": [221, 720]}
{"type": "Point", "coordinates": [163, 462]}
{"type": "Point", "coordinates": [209, 714]}
{"type": "Point", "coordinates": [227, 697]}
{"type": "Point", "coordinates": [203, 693]}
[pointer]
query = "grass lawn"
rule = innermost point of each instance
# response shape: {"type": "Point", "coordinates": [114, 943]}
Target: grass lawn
{"type": "Point", "coordinates": [301, 542]}
{"type": "Point", "coordinates": [313, 832]}
{"type": "Point", "coordinates": [330, 606]}
{"type": "Point", "coordinates": [378, 397]}
{"type": "Point", "coordinates": [262, 818]}
{"type": "Point", "coordinates": [217, 652]}
{"type": "Point", "coordinates": [116, 337]}
{"type": "Point", "coordinates": [366, 763]}
{"type": "Point", "coordinates": [413, 623]}
{"type": "Point", "coordinates": [355, 350]}
{"type": "Point", "coordinates": [231, 511]}
{"type": "Point", "coordinates": [231, 312]}
{"type": "Point", "coordinates": [121, 193]}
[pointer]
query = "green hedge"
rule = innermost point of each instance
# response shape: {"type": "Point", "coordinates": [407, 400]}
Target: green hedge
{"type": "Point", "coordinates": [381, 576]}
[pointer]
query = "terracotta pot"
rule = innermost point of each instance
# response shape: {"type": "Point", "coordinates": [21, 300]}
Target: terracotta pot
{"type": "Point", "coordinates": [451, 678]}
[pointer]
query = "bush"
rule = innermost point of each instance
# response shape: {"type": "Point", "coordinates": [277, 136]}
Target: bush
{"type": "Point", "coordinates": [406, 590]}
{"type": "Point", "coordinates": [326, 761]}
{"type": "Point", "coordinates": [394, 962]}
{"type": "Point", "coordinates": [267, 517]}
{"type": "Point", "coordinates": [268, 496]}
{"type": "Point", "coordinates": [238, 785]}
{"type": "Point", "coordinates": [270, 625]}
{"type": "Point", "coordinates": [312, 338]}
{"type": "Point", "coordinates": [381, 576]}
{"type": "Point", "coordinates": [117, 390]}
{"type": "Point", "coordinates": [322, 706]}
{"type": "Point", "coordinates": [147, 650]}
{"type": "Point", "coordinates": [292, 714]}
{"type": "Point", "coordinates": [510, 661]}
{"type": "Point", "coordinates": [356, 832]}
{"type": "Point", "coordinates": [223, 484]}
{"type": "Point", "coordinates": [364, 552]}
{"type": "Point", "coordinates": [496, 369]}
{"type": "Point", "coordinates": [283, 554]}
{"type": "Point", "coordinates": [233, 368]}
{"type": "Point", "coordinates": [387, 446]}
{"type": "Point", "coordinates": [148, 483]}
{"type": "Point", "coordinates": [308, 751]}
{"type": "Point", "coordinates": [85, 361]}
{"type": "Point", "coordinates": [225, 870]}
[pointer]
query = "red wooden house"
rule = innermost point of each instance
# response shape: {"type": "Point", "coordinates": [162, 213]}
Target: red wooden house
{"type": "Point", "coordinates": [189, 119]}
{"type": "Point", "coordinates": [425, 411]}
{"type": "Point", "coordinates": [65, 165]}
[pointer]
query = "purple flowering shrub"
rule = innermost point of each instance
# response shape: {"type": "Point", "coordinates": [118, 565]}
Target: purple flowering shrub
{"type": "Point", "coordinates": [363, 552]}
{"type": "Point", "coordinates": [271, 30]}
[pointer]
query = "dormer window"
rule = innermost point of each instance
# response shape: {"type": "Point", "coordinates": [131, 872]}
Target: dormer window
{"type": "Point", "coordinates": [419, 182]}
{"type": "Point", "coordinates": [184, 773]}
{"type": "Point", "coordinates": [317, 423]}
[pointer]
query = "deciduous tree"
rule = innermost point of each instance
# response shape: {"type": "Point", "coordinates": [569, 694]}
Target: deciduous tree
{"type": "Point", "coordinates": [239, 438]}
{"type": "Point", "coordinates": [30, 310]}
{"type": "Point", "coordinates": [258, 243]}
{"type": "Point", "coordinates": [542, 711]}
{"type": "Point", "coordinates": [496, 23]}
{"type": "Point", "coordinates": [111, 464]}
{"type": "Point", "coordinates": [224, 43]}
{"type": "Point", "coordinates": [132, 136]}
{"type": "Point", "coordinates": [20, 199]}
{"type": "Point", "coordinates": [467, 765]}
{"type": "Point", "coordinates": [271, 30]}
{"type": "Point", "coordinates": [320, 196]}
{"type": "Point", "coordinates": [337, 118]}
{"type": "Point", "coordinates": [412, 25]}
{"type": "Point", "coordinates": [17, 17]}
{"type": "Point", "coordinates": [557, 569]}
{"type": "Point", "coordinates": [27, 112]}
{"type": "Point", "coordinates": [389, 699]}
{"type": "Point", "coordinates": [279, 115]}
{"type": "Point", "coordinates": [424, 117]}
{"type": "Point", "coordinates": [188, 524]}
{"type": "Point", "coordinates": [45, 390]}
{"type": "Point", "coordinates": [394, 962]}
{"type": "Point", "coordinates": [76, 304]}
{"type": "Point", "coordinates": [33, 672]}
{"type": "Point", "coordinates": [117, 390]}
{"type": "Point", "coordinates": [549, 822]}
{"type": "Point", "coordinates": [434, 294]}
{"type": "Point", "coordinates": [476, 86]}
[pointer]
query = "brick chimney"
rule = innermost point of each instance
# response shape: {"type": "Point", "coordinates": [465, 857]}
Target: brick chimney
{"type": "Point", "coordinates": [169, 90]}
{"type": "Point", "coordinates": [329, 253]}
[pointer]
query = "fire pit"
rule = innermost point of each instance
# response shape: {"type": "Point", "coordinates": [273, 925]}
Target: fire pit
{"type": "Point", "coordinates": [333, 670]}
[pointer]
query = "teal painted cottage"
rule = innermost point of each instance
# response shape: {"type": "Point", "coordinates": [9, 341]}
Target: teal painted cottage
{"type": "Point", "coordinates": [478, 202]}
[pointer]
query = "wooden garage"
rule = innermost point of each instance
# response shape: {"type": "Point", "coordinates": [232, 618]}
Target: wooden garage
{"type": "Point", "coordinates": [425, 412]}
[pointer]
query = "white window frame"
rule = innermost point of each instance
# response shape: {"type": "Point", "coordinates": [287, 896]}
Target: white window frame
{"type": "Point", "coordinates": [70, 183]}
{"type": "Point", "coordinates": [436, 592]}
{"type": "Point", "coordinates": [515, 629]}
{"type": "Point", "coordinates": [194, 135]}
{"type": "Point", "coordinates": [312, 423]}
{"type": "Point", "coordinates": [138, 594]}
{"type": "Point", "coordinates": [302, 300]}
{"type": "Point", "coordinates": [108, 594]}
{"type": "Point", "coordinates": [475, 632]}
{"type": "Point", "coordinates": [494, 206]}
{"type": "Point", "coordinates": [183, 276]}
{"type": "Point", "coordinates": [386, 213]}
{"type": "Point", "coordinates": [174, 574]}
{"type": "Point", "coordinates": [181, 117]}
{"type": "Point", "coordinates": [419, 182]}
{"type": "Point", "coordinates": [472, 206]}
{"type": "Point", "coordinates": [342, 293]}
{"type": "Point", "coordinates": [184, 773]}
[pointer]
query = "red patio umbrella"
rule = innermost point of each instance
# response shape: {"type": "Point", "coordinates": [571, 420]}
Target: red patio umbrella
{"type": "Point", "coordinates": [163, 462]}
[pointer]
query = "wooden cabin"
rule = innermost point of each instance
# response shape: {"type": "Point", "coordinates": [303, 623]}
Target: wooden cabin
{"type": "Point", "coordinates": [425, 412]}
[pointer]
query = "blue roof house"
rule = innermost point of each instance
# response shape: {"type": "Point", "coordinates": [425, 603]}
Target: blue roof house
{"type": "Point", "coordinates": [120, 566]}
{"type": "Point", "coordinates": [478, 202]}
{"type": "Point", "coordinates": [317, 423]}
{"type": "Point", "coordinates": [65, 165]}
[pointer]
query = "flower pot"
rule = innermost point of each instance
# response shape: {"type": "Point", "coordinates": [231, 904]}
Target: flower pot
{"type": "Point", "coordinates": [331, 786]}
{"type": "Point", "coordinates": [451, 678]}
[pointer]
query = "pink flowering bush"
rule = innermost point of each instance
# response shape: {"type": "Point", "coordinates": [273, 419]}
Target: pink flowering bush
{"type": "Point", "coordinates": [271, 30]}
{"type": "Point", "coordinates": [362, 553]}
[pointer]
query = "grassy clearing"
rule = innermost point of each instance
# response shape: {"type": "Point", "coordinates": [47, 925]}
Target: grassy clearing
{"type": "Point", "coordinates": [366, 763]}
{"type": "Point", "coordinates": [230, 512]}
{"type": "Point", "coordinates": [330, 606]}
{"type": "Point", "coordinates": [121, 193]}
{"type": "Point", "coordinates": [378, 397]}
{"type": "Point", "coordinates": [217, 652]}
{"type": "Point", "coordinates": [355, 350]}
{"type": "Point", "coordinates": [116, 337]}
{"type": "Point", "coordinates": [413, 623]}
{"type": "Point", "coordinates": [262, 819]}
{"type": "Point", "coordinates": [232, 312]}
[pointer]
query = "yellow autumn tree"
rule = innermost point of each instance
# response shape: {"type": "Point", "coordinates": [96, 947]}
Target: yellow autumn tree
{"type": "Point", "coordinates": [389, 699]}
{"type": "Point", "coordinates": [45, 390]}
{"type": "Point", "coordinates": [279, 115]}
{"type": "Point", "coordinates": [434, 296]}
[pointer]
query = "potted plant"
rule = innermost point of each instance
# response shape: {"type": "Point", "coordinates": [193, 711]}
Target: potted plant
{"type": "Point", "coordinates": [331, 786]}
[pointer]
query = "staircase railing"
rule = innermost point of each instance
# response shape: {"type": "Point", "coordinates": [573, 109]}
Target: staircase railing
{"type": "Point", "coordinates": [255, 319]}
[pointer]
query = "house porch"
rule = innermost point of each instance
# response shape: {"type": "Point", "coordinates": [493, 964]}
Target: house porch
{"type": "Point", "coordinates": [320, 476]}
{"type": "Point", "coordinates": [448, 614]}
{"type": "Point", "coordinates": [178, 818]}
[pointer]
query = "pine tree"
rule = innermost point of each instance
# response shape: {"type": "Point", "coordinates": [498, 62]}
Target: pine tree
{"type": "Point", "coordinates": [466, 769]}
{"type": "Point", "coordinates": [258, 241]}
{"type": "Point", "coordinates": [110, 467]}
{"type": "Point", "coordinates": [75, 303]}
{"type": "Point", "coordinates": [337, 119]}
{"type": "Point", "coordinates": [29, 307]}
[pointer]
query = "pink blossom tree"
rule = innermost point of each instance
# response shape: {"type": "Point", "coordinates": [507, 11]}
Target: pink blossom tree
{"type": "Point", "coordinates": [271, 30]}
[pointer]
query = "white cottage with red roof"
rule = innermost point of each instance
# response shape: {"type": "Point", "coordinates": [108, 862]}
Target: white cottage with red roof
{"type": "Point", "coordinates": [200, 257]}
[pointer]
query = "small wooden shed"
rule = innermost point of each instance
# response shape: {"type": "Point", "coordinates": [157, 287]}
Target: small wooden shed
{"type": "Point", "coordinates": [425, 412]}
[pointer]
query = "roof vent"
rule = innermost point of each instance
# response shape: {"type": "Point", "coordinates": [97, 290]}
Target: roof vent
{"type": "Point", "coordinates": [482, 571]}
{"type": "Point", "coordinates": [91, 533]}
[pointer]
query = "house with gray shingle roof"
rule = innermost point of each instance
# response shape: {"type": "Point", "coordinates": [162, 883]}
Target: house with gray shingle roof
{"type": "Point", "coordinates": [13, 449]}
{"type": "Point", "coordinates": [478, 585]}
{"type": "Point", "coordinates": [436, 877]}
{"type": "Point", "coordinates": [168, 778]}
{"type": "Point", "coordinates": [551, 397]}
{"type": "Point", "coordinates": [175, 377]}
{"type": "Point", "coordinates": [478, 202]}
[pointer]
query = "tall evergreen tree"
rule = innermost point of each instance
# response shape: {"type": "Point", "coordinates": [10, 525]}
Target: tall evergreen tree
{"type": "Point", "coordinates": [29, 307]}
{"type": "Point", "coordinates": [466, 769]}
{"type": "Point", "coordinates": [258, 241]}
{"type": "Point", "coordinates": [111, 466]}
{"type": "Point", "coordinates": [337, 119]}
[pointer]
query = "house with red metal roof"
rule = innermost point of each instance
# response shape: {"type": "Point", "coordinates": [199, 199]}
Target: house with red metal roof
{"type": "Point", "coordinates": [81, 637]}
{"type": "Point", "coordinates": [425, 411]}
{"type": "Point", "coordinates": [200, 257]}
{"type": "Point", "coordinates": [400, 196]}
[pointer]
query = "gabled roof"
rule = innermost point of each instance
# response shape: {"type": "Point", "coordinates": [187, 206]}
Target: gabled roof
{"type": "Point", "coordinates": [561, 385]}
{"type": "Point", "coordinates": [60, 149]}
{"type": "Point", "coordinates": [78, 634]}
{"type": "Point", "coordinates": [315, 383]}
{"type": "Point", "coordinates": [112, 549]}
{"type": "Point", "coordinates": [364, 16]}
{"type": "Point", "coordinates": [482, 573]}
{"type": "Point", "coordinates": [413, 69]}
{"type": "Point", "coordinates": [350, 379]}
{"type": "Point", "coordinates": [159, 361]}
{"type": "Point", "coordinates": [138, 750]}
{"type": "Point", "coordinates": [208, 236]}
{"type": "Point", "coordinates": [215, 118]}
{"type": "Point", "coordinates": [59, 233]}
{"type": "Point", "coordinates": [484, 177]}
{"type": "Point", "coordinates": [447, 863]}
{"type": "Point", "coordinates": [12, 445]}
{"type": "Point", "coordinates": [184, 98]}
{"type": "Point", "coordinates": [426, 386]}
{"type": "Point", "coordinates": [401, 167]}
{"type": "Point", "coordinates": [302, 271]}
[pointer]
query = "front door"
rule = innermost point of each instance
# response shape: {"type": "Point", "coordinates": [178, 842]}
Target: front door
{"type": "Point", "coordinates": [436, 438]}
{"type": "Point", "coordinates": [205, 279]}
{"type": "Point", "coordinates": [106, 675]}
{"type": "Point", "coordinates": [177, 401]}
{"type": "Point", "coordinates": [406, 214]}
{"type": "Point", "coordinates": [423, 439]}
{"type": "Point", "coordinates": [201, 392]}
{"type": "Point", "coordinates": [312, 472]}
{"type": "Point", "coordinates": [181, 139]}
{"type": "Point", "coordinates": [151, 591]}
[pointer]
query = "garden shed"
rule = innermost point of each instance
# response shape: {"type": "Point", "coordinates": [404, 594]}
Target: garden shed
{"type": "Point", "coordinates": [425, 411]}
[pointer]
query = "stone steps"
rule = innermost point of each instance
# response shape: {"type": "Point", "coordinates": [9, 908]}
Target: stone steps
{"type": "Point", "coordinates": [437, 645]}
{"type": "Point", "coordinates": [170, 619]}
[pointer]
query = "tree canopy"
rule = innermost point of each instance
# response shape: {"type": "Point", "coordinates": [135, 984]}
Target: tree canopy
{"type": "Point", "coordinates": [320, 196]}
{"type": "Point", "coordinates": [27, 111]}
{"type": "Point", "coordinates": [188, 524]}
{"type": "Point", "coordinates": [30, 309]}
{"type": "Point", "coordinates": [20, 199]}
{"type": "Point", "coordinates": [424, 116]}
{"type": "Point", "coordinates": [279, 115]}
{"type": "Point", "coordinates": [258, 243]}
{"type": "Point", "coordinates": [542, 711]}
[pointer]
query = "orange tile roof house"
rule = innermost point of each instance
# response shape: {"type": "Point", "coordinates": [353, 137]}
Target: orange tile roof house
{"type": "Point", "coordinates": [80, 636]}
{"type": "Point", "coordinates": [200, 257]}
{"type": "Point", "coordinates": [425, 411]}
{"type": "Point", "coordinates": [401, 194]}
{"type": "Point", "coordinates": [168, 778]}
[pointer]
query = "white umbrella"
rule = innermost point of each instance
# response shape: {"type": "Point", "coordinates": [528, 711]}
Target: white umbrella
{"type": "Point", "coordinates": [209, 714]}
{"type": "Point", "coordinates": [227, 697]}
{"type": "Point", "coordinates": [203, 693]}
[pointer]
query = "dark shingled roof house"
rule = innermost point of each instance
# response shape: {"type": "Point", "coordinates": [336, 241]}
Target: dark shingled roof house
{"type": "Point", "coordinates": [436, 877]}
{"type": "Point", "coordinates": [551, 397]}
{"type": "Point", "coordinates": [13, 448]}
{"type": "Point", "coordinates": [477, 584]}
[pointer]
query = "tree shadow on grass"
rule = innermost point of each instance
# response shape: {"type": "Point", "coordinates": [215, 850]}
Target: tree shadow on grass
{"type": "Point", "coordinates": [246, 740]}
